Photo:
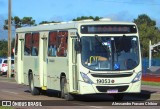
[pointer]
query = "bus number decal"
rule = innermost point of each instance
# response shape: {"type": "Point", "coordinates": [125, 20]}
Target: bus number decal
{"type": "Point", "coordinates": [104, 81]}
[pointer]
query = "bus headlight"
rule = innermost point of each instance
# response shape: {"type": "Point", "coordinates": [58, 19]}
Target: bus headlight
{"type": "Point", "coordinates": [86, 78]}
{"type": "Point", "coordinates": [137, 77]}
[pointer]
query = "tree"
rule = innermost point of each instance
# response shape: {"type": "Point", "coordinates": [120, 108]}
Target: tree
{"type": "Point", "coordinates": [85, 17]}
{"type": "Point", "coordinates": [3, 48]}
{"type": "Point", "coordinates": [145, 19]}
{"type": "Point", "coordinates": [147, 31]}
{"type": "Point", "coordinates": [27, 21]}
{"type": "Point", "coordinates": [17, 22]}
{"type": "Point", "coordinates": [46, 22]}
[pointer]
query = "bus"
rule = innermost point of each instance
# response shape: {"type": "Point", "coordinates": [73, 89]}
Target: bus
{"type": "Point", "coordinates": [79, 58]}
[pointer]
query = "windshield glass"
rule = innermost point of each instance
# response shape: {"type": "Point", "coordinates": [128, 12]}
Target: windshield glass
{"type": "Point", "coordinates": [110, 53]}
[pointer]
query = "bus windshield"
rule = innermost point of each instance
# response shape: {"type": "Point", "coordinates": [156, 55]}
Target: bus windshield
{"type": "Point", "coordinates": [110, 53]}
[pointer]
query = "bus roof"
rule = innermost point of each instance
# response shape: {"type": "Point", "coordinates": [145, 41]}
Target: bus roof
{"type": "Point", "coordinates": [66, 25]}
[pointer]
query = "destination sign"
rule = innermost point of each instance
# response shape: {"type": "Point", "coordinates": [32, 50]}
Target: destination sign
{"type": "Point", "coordinates": [108, 29]}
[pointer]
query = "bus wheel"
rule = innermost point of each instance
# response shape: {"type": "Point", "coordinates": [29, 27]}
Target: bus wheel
{"type": "Point", "coordinates": [64, 93]}
{"type": "Point", "coordinates": [118, 97]}
{"type": "Point", "coordinates": [34, 90]}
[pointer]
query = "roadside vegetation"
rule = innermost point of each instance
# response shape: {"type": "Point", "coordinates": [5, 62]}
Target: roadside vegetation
{"type": "Point", "coordinates": [151, 83]}
{"type": "Point", "coordinates": [6, 107]}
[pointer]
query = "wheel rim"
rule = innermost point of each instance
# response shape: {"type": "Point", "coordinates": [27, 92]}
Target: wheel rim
{"type": "Point", "coordinates": [32, 85]}
{"type": "Point", "coordinates": [63, 88]}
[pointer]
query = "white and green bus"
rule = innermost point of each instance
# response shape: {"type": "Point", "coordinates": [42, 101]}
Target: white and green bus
{"type": "Point", "coordinates": [83, 57]}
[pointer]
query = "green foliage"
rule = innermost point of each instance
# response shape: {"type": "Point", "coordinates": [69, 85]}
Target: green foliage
{"type": "Point", "coordinates": [6, 107]}
{"type": "Point", "coordinates": [27, 21]}
{"type": "Point", "coordinates": [143, 18]}
{"type": "Point", "coordinates": [147, 31]}
{"type": "Point", "coordinates": [150, 83]}
{"type": "Point", "coordinates": [86, 17]}
{"type": "Point", "coordinates": [17, 22]}
{"type": "Point", "coordinates": [4, 48]}
{"type": "Point", "coordinates": [46, 22]}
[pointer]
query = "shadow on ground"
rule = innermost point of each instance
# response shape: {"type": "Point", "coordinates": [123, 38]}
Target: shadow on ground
{"type": "Point", "coordinates": [143, 96]}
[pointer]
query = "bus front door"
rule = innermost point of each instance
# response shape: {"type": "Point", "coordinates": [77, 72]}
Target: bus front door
{"type": "Point", "coordinates": [43, 54]}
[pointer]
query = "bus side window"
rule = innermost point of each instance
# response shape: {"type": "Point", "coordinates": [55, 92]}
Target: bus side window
{"type": "Point", "coordinates": [62, 44]}
{"type": "Point", "coordinates": [16, 44]}
{"type": "Point", "coordinates": [35, 44]}
{"type": "Point", "coordinates": [27, 45]}
{"type": "Point", "coordinates": [52, 48]}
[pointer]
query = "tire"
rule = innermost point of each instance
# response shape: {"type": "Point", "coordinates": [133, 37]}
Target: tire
{"type": "Point", "coordinates": [118, 97]}
{"type": "Point", "coordinates": [33, 90]}
{"type": "Point", "coordinates": [43, 92]}
{"type": "Point", "coordinates": [12, 75]}
{"type": "Point", "coordinates": [1, 73]}
{"type": "Point", "coordinates": [64, 92]}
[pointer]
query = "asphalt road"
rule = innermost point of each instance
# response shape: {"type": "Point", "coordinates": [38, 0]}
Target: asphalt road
{"type": "Point", "coordinates": [10, 90]}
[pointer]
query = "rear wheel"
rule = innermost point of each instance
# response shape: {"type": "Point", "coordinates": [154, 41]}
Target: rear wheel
{"type": "Point", "coordinates": [34, 90]}
{"type": "Point", "coordinates": [64, 90]}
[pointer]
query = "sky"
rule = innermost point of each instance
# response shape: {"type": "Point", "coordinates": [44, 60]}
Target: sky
{"type": "Point", "coordinates": [66, 10]}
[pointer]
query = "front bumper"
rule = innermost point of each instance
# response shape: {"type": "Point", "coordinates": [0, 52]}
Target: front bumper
{"type": "Point", "coordinates": [85, 88]}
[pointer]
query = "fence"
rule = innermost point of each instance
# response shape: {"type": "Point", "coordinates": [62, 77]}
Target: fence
{"type": "Point", "coordinates": [145, 63]}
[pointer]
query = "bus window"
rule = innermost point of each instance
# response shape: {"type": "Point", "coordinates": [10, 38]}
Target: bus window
{"type": "Point", "coordinates": [35, 44]}
{"type": "Point", "coordinates": [27, 45]}
{"type": "Point", "coordinates": [52, 48]}
{"type": "Point", "coordinates": [16, 44]}
{"type": "Point", "coordinates": [62, 43]}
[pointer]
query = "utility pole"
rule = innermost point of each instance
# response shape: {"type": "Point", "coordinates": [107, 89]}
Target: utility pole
{"type": "Point", "coordinates": [9, 39]}
{"type": "Point", "coordinates": [150, 53]}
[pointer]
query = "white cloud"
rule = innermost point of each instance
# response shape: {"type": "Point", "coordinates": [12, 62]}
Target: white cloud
{"type": "Point", "coordinates": [121, 16]}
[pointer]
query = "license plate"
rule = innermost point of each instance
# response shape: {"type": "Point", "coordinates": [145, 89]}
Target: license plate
{"type": "Point", "coordinates": [112, 91]}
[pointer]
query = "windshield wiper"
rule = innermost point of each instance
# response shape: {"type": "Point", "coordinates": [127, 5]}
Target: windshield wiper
{"type": "Point", "coordinates": [101, 42]}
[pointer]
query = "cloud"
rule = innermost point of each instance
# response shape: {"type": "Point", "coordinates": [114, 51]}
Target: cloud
{"type": "Point", "coordinates": [121, 16]}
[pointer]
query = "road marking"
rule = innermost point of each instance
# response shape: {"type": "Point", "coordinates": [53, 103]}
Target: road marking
{"type": "Point", "coordinates": [97, 107]}
{"type": "Point", "coordinates": [9, 92]}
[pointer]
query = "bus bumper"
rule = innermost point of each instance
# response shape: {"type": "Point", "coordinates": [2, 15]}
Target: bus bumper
{"type": "Point", "coordinates": [85, 88]}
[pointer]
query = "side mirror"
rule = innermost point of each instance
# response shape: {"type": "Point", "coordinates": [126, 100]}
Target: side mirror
{"type": "Point", "coordinates": [78, 46]}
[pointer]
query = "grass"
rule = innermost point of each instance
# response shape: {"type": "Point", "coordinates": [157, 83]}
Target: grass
{"type": "Point", "coordinates": [151, 83]}
{"type": "Point", "coordinates": [6, 107]}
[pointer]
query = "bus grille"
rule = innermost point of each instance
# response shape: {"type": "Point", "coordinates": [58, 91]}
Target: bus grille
{"type": "Point", "coordinates": [101, 75]}
{"type": "Point", "coordinates": [105, 88]}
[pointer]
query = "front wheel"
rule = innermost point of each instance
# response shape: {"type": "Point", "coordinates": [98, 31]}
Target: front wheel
{"type": "Point", "coordinates": [34, 90]}
{"type": "Point", "coordinates": [118, 97]}
{"type": "Point", "coordinates": [64, 91]}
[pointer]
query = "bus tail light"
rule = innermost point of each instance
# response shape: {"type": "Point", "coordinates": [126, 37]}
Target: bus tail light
{"type": "Point", "coordinates": [86, 78]}
{"type": "Point", "coordinates": [137, 77]}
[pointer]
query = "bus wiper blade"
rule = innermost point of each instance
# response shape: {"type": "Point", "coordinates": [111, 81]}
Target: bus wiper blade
{"type": "Point", "coordinates": [101, 43]}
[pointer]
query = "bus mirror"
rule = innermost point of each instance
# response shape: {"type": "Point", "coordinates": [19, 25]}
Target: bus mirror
{"type": "Point", "coordinates": [77, 46]}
